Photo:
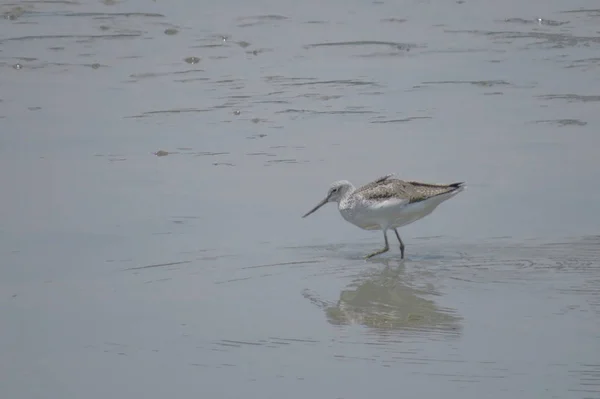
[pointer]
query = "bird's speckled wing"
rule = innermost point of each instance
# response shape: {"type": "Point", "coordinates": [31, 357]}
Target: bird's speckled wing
{"type": "Point", "coordinates": [423, 191]}
{"type": "Point", "coordinates": [386, 188]}
{"type": "Point", "coordinates": [374, 183]}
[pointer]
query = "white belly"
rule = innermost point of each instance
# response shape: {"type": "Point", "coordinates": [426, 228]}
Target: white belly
{"type": "Point", "coordinates": [390, 214]}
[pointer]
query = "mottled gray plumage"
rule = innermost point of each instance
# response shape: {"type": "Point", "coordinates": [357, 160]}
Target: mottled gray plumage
{"type": "Point", "coordinates": [387, 187]}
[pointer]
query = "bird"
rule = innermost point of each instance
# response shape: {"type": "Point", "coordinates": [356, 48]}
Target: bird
{"type": "Point", "coordinates": [387, 203]}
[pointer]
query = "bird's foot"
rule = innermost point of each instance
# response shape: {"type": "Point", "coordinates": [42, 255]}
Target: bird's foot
{"type": "Point", "coordinates": [383, 250]}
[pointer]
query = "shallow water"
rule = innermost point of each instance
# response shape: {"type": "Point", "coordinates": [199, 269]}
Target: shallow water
{"type": "Point", "coordinates": [156, 159]}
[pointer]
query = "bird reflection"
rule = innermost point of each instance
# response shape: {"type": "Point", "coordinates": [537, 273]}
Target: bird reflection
{"type": "Point", "coordinates": [384, 298]}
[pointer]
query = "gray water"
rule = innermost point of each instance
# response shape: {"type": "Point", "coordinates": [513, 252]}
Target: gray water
{"type": "Point", "coordinates": [156, 158]}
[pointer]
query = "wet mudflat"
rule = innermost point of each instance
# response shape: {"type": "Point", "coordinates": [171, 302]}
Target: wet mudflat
{"type": "Point", "coordinates": [156, 160]}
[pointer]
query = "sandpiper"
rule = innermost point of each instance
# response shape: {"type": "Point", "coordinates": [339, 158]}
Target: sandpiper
{"type": "Point", "coordinates": [387, 203]}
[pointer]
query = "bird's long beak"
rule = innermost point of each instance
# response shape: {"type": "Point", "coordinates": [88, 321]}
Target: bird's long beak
{"type": "Point", "coordinates": [320, 204]}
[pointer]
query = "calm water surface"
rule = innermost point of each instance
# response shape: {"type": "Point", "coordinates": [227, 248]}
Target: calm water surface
{"type": "Point", "coordinates": [156, 157]}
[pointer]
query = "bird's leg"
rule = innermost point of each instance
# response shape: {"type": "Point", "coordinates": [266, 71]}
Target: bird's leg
{"type": "Point", "coordinates": [385, 249]}
{"type": "Point", "coordinates": [401, 244]}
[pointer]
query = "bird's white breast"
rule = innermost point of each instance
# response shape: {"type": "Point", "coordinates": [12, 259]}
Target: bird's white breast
{"type": "Point", "coordinates": [371, 215]}
{"type": "Point", "coordinates": [387, 213]}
